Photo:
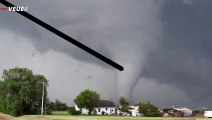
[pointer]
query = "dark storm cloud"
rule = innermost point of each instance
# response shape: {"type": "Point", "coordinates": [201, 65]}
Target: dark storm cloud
{"type": "Point", "coordinates": [184, 58]}
{"type": "Point", "coordinates": [9, 21]}
{"type": "Point", "coordinates": [81, 26]}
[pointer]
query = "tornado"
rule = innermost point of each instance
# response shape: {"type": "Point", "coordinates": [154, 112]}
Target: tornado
{"type": "Point", "coordinates": [140, 33]}
{"type": "Point", "coordinates": [125, 31]}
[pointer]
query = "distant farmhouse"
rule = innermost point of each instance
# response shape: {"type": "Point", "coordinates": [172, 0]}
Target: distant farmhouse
{"type": "Point", "coordinates": [104, 107]}
{"type": "Point", "coordinates": [177, 112]}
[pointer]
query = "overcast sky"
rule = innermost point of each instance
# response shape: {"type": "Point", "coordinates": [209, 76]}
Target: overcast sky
{"type": "Point", "coordinates": [165, 47]}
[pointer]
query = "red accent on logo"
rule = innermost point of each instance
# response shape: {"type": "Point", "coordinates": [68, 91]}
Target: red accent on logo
{"type": "Point", "coordinates": [3, 8]}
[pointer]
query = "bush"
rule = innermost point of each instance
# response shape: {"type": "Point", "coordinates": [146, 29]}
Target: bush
{"type": "Point", "coordinates": [148, 109]}
{"type": "Point", "coordinates": [72, 111]}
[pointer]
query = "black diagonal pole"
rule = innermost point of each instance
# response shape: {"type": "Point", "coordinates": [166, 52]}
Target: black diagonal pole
{"type": "Point", "coordinates": [64, 36]}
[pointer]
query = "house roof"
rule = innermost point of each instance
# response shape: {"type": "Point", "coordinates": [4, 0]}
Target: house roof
{"type": "Point", "coordinates": [105, 103]}
{"type": "Point", "coordinates": [182, 109]}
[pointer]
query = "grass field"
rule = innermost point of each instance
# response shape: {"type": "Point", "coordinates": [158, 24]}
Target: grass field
{"type": "Point", "coordinates": [65, 116]}
{"type": "Point", "coordinates": [68, 117]}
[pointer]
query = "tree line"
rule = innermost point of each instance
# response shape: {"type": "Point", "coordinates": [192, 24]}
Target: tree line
{"type": "Point", "coordinates": [21, 93]}
{"type": "Point", "coordinates": [89, 99]}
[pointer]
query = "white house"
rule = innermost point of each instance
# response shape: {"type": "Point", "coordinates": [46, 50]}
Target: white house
{"type": "Point", "coordinates": [104, 107]}
{"type": "Point", "coordinates": [208, 114]}
{"type": "Point", "coordinates": [134, 111]}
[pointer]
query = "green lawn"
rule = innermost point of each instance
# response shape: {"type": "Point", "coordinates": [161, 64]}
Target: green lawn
{"type": "Point", "coordinates": [60, 113]}
{"type": "Point", "coordinates": [69, 117]}
{"type": "Point", "coordinates": [65, 116]}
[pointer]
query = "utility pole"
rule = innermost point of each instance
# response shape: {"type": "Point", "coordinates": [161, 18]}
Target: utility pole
{"type": "Point", "coordinates": [42, 100]}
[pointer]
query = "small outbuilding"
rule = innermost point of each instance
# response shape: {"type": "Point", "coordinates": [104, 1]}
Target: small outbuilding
{"type": "Point", "coordinates": [177, 112]}
{"type": "Point", "coordinates": [171, 112]}
{"type": "Point", "coordinates": [135, 111]}
{"type": "Point", "coordinates": [208, 114]}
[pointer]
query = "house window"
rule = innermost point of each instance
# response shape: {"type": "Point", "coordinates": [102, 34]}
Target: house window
{"type": "Point", "coordinates": [106, 109]}
{"type": "Point", "coordinates": [99, 110]}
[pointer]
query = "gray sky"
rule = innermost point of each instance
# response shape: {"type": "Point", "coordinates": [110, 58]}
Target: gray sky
{"type": "Point", "coordinates": [165, 47]}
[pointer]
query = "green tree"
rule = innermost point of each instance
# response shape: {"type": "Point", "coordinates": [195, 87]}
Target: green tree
{"type": "Point", "coordinates": [59, 106]}
{"type": "Point", "coordinates": [148, 109]}
{"type": "Point", "coordinates": [124, 104]}
{"type": "Point", "coordinates": [21, 91]}
{"type": "Point", "coordinates": [51, 106]}
{"type": "Point", "coordinates": [87, 99]}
